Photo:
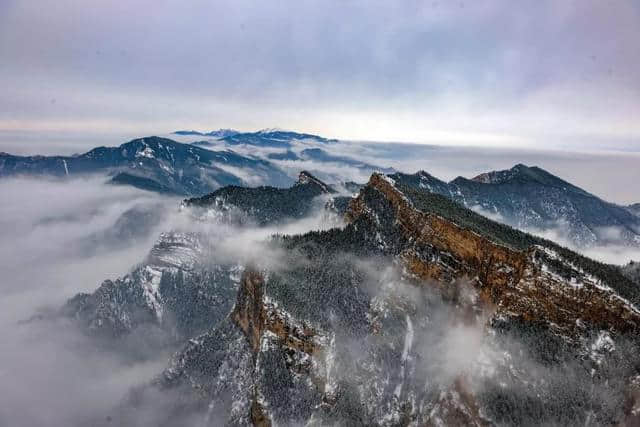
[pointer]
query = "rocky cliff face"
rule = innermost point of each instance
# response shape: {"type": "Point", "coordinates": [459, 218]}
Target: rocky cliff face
{"type": "Point", "coordinates": [257, 367]}
{"type": "Point", "coordinates": [517, 282]}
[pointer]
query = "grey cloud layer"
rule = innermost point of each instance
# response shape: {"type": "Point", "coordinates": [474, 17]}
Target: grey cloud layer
{"type": "Point", "coordinates": [492, 67]}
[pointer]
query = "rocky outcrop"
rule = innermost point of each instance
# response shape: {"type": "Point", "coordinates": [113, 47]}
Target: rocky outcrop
{"type": "Point", "coordinates": [515, 282]}
{"type": "Point", "coordinates": [249, 313]}
{"type": "Point", "coordinates": [305, 177]}
{"type": "Point", "coordinates": [264, 325]}
{"type": "Point", "coordinates": [479, 256]}
{"type": "Point", "coordinates": [255, 315]}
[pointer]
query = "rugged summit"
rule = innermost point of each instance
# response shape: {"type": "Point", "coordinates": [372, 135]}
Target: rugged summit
{"type": "Point", "coordinates": [531, 198]}
{"type": "Point", "coordinates": [417, 312]}
{"type": "Point", "coordinates": [306, 178]}
{"type": "Point", "coordinates": [264, 205]}
{"type": "Point", "coordinates": [529, 282]}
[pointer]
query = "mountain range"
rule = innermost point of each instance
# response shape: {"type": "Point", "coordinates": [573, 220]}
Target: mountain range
{"type": "Point", "coordinates": [190, 169]}
{"type": "Point", "coordinates": [274, 138]}
{"type": "Point", "coordinates": [155, 164]}
{"type": "Point", "coordinates": [531, 198]}
{"type": "Point", "coordinates": [528, 198]}
{"type": "Point", "coordinates": [415, 310]}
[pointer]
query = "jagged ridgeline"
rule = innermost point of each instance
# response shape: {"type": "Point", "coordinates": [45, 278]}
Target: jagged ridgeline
{"type": "Point", "coordinates": [265, 205]}
{"type": "Point", "coordinates": [178, 291]}
{"type": "Point", "coordinates": [532, 198]}
{"type": "Point", "coordinates": [508, 236]}
{"type": "Point", "coordinates": [416, 312]}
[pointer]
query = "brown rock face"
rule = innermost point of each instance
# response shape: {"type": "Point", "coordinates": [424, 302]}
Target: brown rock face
{"type": "Point", "coordinates": [249, 315]}
{"type": "Point", "coordinates": [480, 256]}
{"type": "Point", "coordinates": [258, 416]}
{"type": "Point", "coordinates": [255, 316]}
{"type": "Point", "coordinates": [514, 282]}
{"type": "Point", "coordinates": [249, 311]}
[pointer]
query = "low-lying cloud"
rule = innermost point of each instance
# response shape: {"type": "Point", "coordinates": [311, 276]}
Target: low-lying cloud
{"type": "Point", "coordinates": [615, 251]}
{"type": "Point", "coordinates": [50, 373]}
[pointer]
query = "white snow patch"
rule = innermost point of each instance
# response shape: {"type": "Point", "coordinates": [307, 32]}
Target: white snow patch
{"type": "Point", "coordinates": [147, 152]}
{"type": "Point", "coordinates": [151, 290]}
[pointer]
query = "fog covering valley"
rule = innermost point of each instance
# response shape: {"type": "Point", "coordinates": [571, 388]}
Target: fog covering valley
{"type": "Point", "coordinates": [62, 237]}
{"type": "Point", "coordinates": [66, 235]}
{"type": "Point", "coordinates": [51, 373]}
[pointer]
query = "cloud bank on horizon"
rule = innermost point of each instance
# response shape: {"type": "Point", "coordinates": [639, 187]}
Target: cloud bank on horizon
{"type": "Point", "coordinates": [532, 74]}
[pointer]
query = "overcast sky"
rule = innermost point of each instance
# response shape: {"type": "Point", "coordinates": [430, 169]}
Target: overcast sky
{"type": "Point", "coordinates": [526, 73]}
